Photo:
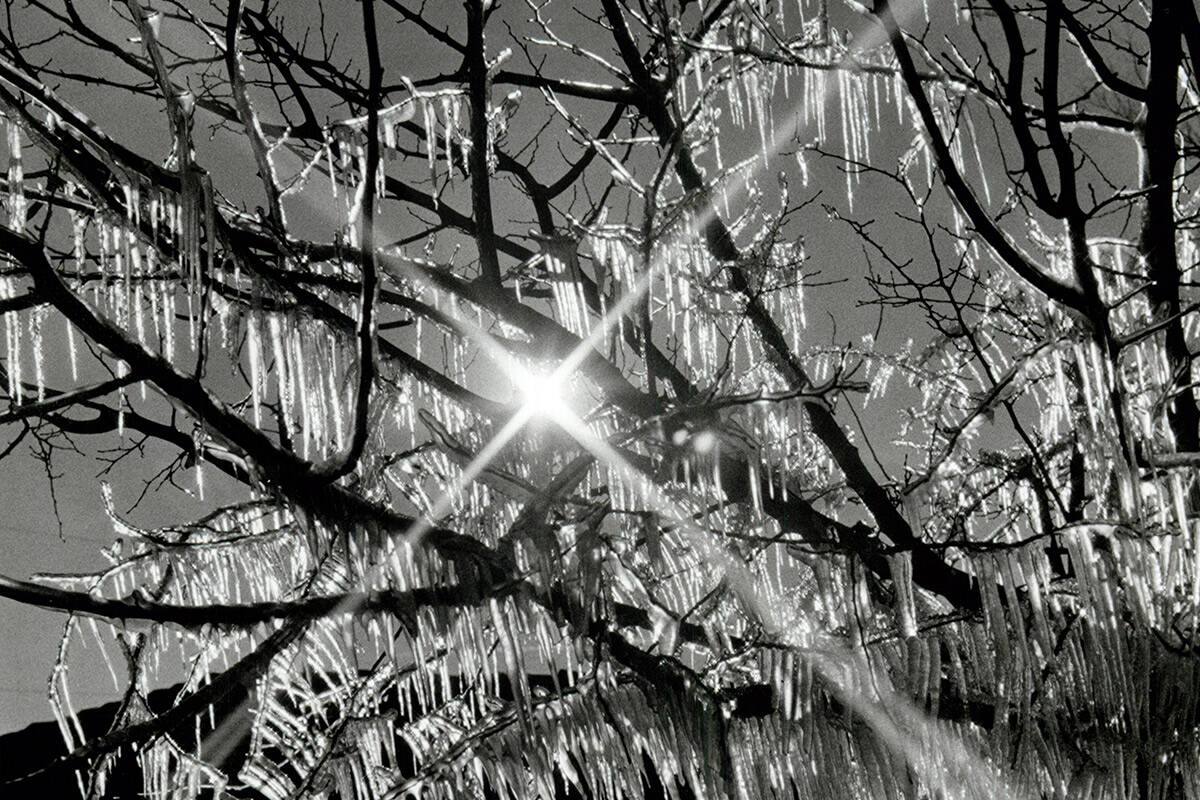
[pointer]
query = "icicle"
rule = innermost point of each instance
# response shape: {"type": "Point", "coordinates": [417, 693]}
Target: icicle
{"type": "Point", "coordinates": [338, 409]}
{"type": "Point", "coordinates": [190, 198]}
{"type": "Point", "coordinates": [430, 120]}
{"type": "Point", "coordinates": [12, 326]}
{"type": "Point", "coordinates": [283, 377]}
{"type": "Point", "coordinates": [755, 488]}
{"type": "Point", "coordinates": [1084, 372]}
{"type": "Point", "coordinates": [301, 395]}
{"type": "Point", "coordinates": [168, 312]}
{"type": "Point", "coordinates": [450, 123]}
{"type": "Point", "coordinates": [16, 179]}
{"type": "Point", "coordinates": [734, 100]}
{"type": "Point", "coordinates": [36, 318]}
{"type": "Point", "coordinates": [333, 172]}
{"type": "Point", "coordinates": [906, 613]}
{"type": "Point", "coordinates": [71, 349]}
{"type": "Point", "coordinates": [315, 387]}
{"type": "Point", "coordinates": [254, 345]}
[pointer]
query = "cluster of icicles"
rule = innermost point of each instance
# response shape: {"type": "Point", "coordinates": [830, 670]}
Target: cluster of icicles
{"type": "Point", "coordinates": [441, 113]}
{"type": "Point", "coordinates": [847, 89]}
{"type": "Point", "coordinates": [593, 730]}
{"type": "Point", "coordinates": [242, 554]}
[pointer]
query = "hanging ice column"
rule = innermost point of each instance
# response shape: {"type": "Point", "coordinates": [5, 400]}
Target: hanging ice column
{"type": "Point", "coordinates": [16, 178]}
{"type": "Point", "coordinates": [440, 114]}
{"type": "Point", "coordinates": [17, 209]}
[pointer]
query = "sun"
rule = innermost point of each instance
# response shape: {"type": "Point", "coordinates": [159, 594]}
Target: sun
{"type": "Point", "coordinates": [543, 394]}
